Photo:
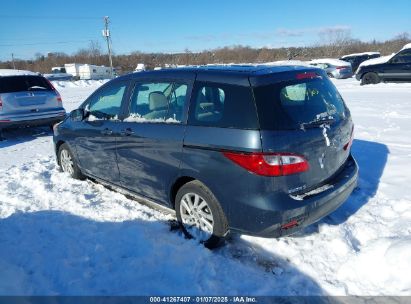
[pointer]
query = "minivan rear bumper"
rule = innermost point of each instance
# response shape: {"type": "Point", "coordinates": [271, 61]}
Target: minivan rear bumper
{"type": "Point", "coordinates": [277, 223]}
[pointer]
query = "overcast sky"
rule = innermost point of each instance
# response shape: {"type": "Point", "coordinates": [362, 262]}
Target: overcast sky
{"type": "Point", "coordinates": [30, 27]}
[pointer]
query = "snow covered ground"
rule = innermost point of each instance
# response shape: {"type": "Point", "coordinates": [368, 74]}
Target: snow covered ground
{"type": "Point", "coordinates": [59, 236]}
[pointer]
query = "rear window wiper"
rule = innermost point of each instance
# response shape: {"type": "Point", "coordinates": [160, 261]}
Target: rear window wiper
{"type": "Point", "coordinates": [33, 88]}
{"type": "Point", "coordinates": [317, 123]}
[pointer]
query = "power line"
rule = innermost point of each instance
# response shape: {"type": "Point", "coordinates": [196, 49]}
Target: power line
{"type": "Point", "coordinates": [51, 17]}
{"type": "Point", "coordinates": [41, 43]}
{"type": "Point", "coordinates": [56, 36]}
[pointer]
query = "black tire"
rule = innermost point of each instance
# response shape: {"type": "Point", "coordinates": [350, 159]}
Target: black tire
{"type": "Point", "coordinates": [370, 78]}
{"type": "Point", "coordinates": [76, 172]}
{"type": "Point", "coordinates": [220, 223]}
{"type": "Point", "coordinates": [330, 75]}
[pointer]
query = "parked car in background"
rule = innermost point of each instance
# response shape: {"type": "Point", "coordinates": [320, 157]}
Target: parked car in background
{"type": "Point", "coordinates": [260, 150]}
{"type": "Point", "coordinates": [395, 67]}
{"type": "Point", "coordinates": [28, 99]}
{"type": "Point", "coordinates": [58, 76]}
{"type": "Point", "coordinates": [357, 58]}
{"type": "Point", "coordinates": [58, 73]}
{"type": "Point", "coordinates": [335, 68]}
{"type": "Point", "coordinates": [58, 70]}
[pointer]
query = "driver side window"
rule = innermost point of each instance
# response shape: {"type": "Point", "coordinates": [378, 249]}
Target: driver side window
{"type": "Point", "coordinates": [106, 103]}
{"type": "Point", "coordinates": [402, 57]}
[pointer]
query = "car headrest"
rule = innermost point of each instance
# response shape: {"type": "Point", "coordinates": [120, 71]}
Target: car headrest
{"type": "Point", "coordinates": [157, 100]}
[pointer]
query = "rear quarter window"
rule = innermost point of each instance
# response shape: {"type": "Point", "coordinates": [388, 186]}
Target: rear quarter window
{"type": "Point", "coordinates": [222, 105]}
{"type": "Point", "coordinates": [290, 105]}
{"type": "Point", "coordinates": [11, 84]}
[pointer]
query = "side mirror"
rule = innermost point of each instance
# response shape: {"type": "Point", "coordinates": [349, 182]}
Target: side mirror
{"type": "Point", "coordinates": [77, 115]}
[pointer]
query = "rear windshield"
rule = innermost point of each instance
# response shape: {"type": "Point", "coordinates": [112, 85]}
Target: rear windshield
{"type": "Point", "coordinates": [11, 84]}
{"type": "Point", "coordinates": [298, 104]}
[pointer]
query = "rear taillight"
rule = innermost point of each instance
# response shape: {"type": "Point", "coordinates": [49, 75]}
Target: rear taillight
{"type": "Point", "coordinates": [54, 89]}
{"type": "Point", "coordinates": [347, 146]}
{"type": "Point", "coordinates": [269, 164]}
{"type": "Point", "coordinates": [306, 75]}
{"type": "Point", "coordinates": [341, 67]}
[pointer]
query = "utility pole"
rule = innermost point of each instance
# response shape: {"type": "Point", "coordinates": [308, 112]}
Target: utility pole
{"type": "Point", "coordinates": [106, 34]}
{"type": "Point", "coordinates": [12, 59]}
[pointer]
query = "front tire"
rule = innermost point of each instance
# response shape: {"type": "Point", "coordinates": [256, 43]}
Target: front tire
{"type": "Point", "coordinates": [200, 214]}
{"type": "Point", "coordinates": [68, 163]}
{"type": "Point", "coordinates": [370, 78]}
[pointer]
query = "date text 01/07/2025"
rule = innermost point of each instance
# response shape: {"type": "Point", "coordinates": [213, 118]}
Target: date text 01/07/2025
{"type": "Point", "coordinates": [203, 299]}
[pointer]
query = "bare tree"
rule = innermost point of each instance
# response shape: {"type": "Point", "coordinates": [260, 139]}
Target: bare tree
{"type": "Point", "coordinates": [95, 49]}
{"type": "Point", "coordinates": [334, 43]}
{"type": "Point", "coordinates": [335, 40]}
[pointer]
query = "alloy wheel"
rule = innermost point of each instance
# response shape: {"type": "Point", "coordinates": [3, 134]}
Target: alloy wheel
{"type": "Point", "coordinates": [66, 162]}
{"type": "Point", "coordinates": [196, 216]}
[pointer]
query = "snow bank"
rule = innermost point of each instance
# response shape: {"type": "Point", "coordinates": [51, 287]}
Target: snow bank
{"type": "Point", "coordinates": [79, 83]}
{"type": "Point", "coordinates": [384, 262]}
{"type": "Point", "coordinates": [79, 238]}
{"type": "Point", "coordinates": [11, 72]}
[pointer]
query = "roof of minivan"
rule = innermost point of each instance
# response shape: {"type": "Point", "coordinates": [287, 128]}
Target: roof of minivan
{"type": "Point", "coordinates": [230, 74]}
{"type": "Point", "coordinates": [247, 69]}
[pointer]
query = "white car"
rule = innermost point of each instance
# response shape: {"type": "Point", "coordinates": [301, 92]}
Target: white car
{"type": "Point", "coordinates": [335, 68]}
{"type": "Point", "coordinates": [28, 99]}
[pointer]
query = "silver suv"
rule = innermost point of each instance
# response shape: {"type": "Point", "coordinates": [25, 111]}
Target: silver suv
{"type": "Point", "coordinates": [28, 100]}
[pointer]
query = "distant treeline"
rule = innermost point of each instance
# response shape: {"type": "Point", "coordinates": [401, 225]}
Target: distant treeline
{"type": "Point", "coordinates": [334, 48]}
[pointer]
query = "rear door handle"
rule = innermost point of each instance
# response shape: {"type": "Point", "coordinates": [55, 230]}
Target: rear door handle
{"type": "Point", "coordinates": [127, 132]}
{"type": "Point", "coordinates": [106, 131]}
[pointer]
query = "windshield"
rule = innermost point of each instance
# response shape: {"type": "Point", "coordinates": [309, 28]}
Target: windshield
{"type": "Point", "coordinates": [299, 104]}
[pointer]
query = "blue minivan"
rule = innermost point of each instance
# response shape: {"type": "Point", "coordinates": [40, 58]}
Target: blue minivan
{"type": "Point", "coordinates": [257, 150]}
